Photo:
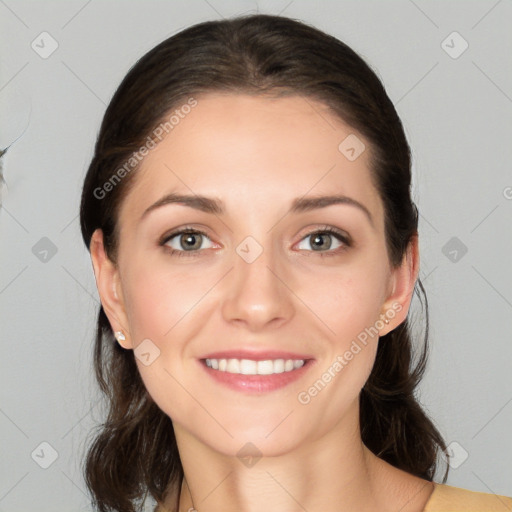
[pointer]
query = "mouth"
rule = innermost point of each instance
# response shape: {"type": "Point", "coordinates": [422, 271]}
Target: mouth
{"type": "Point", "coordinates": [257, 373]}
{"type": "Point", "coordinates": [252, 367]}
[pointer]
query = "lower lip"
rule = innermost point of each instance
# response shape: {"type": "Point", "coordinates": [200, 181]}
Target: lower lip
{"type": "Point", "coordinates": [256, 383]}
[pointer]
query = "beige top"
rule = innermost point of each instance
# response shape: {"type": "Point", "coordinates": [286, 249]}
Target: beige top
{"type": "Point", "coordinates": [446, 498]}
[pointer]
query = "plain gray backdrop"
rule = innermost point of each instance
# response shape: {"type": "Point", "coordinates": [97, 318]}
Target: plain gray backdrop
{"type": "Point", "coordinates": [446, 66]}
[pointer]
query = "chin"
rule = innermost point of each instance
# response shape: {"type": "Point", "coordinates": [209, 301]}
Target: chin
{"type": "Point", "coordinates": [253, 444]}
{"type": "Point", "coordinates": [251, 436]}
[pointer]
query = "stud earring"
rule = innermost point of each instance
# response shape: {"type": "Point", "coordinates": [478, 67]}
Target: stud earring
{"type": "Point", "coordinates": [386, 321]}
{"type": "Point", "coordinates": [120, 336]}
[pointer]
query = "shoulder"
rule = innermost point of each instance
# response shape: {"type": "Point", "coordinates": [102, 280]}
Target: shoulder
{"type": "Point", "coordinates": [446, 498]}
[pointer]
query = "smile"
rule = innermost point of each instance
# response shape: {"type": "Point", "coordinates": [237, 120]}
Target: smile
{"type": "Point", "coordinates": [251, 367]}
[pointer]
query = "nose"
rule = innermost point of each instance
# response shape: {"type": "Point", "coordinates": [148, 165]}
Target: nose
{"type": "Point", "coordinates": [257, 293]}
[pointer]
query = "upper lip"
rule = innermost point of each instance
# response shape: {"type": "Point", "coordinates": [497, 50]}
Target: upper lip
{"type": "Point", "coordinates": [259, 355]}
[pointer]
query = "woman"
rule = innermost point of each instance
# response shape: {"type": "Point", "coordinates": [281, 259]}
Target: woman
{"type": "Point", "coordinates": [255, 248]}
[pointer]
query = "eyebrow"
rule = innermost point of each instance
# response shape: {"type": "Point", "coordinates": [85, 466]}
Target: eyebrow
{"type": "Point", "coordinates": [215, 206]}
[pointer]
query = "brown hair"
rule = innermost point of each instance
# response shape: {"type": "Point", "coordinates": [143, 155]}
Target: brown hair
{"type": "Point", "coordinates": [134, 452]}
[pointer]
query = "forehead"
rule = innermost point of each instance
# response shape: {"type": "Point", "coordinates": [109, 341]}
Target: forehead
{"type": "Point", "coordinates": [254, 150]}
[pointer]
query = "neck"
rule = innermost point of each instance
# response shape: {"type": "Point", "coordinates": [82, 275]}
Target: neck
{"type": "Point", "coordinates": [335, 473]}
{"type": "Point", "coordinates": [271, 487]}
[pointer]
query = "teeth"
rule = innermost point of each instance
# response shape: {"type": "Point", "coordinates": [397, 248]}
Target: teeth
{"type": "Point", "coordinates": [233, 366]}
{"type": "Point", "coordinates": [279, 365]}
{"type": "Point", "coordinates": [250, 367]}
{"type": "Point", "coordinates": [265, 367]}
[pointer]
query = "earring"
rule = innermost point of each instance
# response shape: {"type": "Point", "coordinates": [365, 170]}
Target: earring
{"type": "Point", "coordinates": [386, 321]}
{"type": "Point", "coordinates": [120, 336]}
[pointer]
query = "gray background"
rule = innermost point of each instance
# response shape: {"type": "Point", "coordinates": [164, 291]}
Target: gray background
{"type": "Point", "coordinates": [457, 114]}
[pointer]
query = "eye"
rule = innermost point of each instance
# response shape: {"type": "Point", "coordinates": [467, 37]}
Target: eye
{"type": "Point", "coordinates": [188, 242]}
{"type": "Point", "coordinates": [183, 241]}
{"type": "Point", "coordinates": [321, 241]}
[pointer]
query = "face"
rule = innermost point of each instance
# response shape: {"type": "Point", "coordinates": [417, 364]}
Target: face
{"type": "Point", "coordinates": [266, 275]}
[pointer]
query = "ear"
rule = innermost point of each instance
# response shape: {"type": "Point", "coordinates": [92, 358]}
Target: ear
{"type": "Point", "coordinates": [403, 280]}
{"type": "Point", "coordinates": [109, 287]}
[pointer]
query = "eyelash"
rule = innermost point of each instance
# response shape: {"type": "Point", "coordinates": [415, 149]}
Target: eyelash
{"type": "Point", "coordinates": [192, 231]}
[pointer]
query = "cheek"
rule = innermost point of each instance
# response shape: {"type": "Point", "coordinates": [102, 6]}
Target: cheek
{"type": "Point", "coordinates": [162, 306]}
{"type": "Point", "coordinates": [159, 297]}
{"type": "Point", "coordinates": [347, 300]}
{"type": "Point", "coordinates": [349, 306]}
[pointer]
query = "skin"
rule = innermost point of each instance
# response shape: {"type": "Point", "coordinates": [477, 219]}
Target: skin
{"type": "Point", "coordinates": [257, 154]}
